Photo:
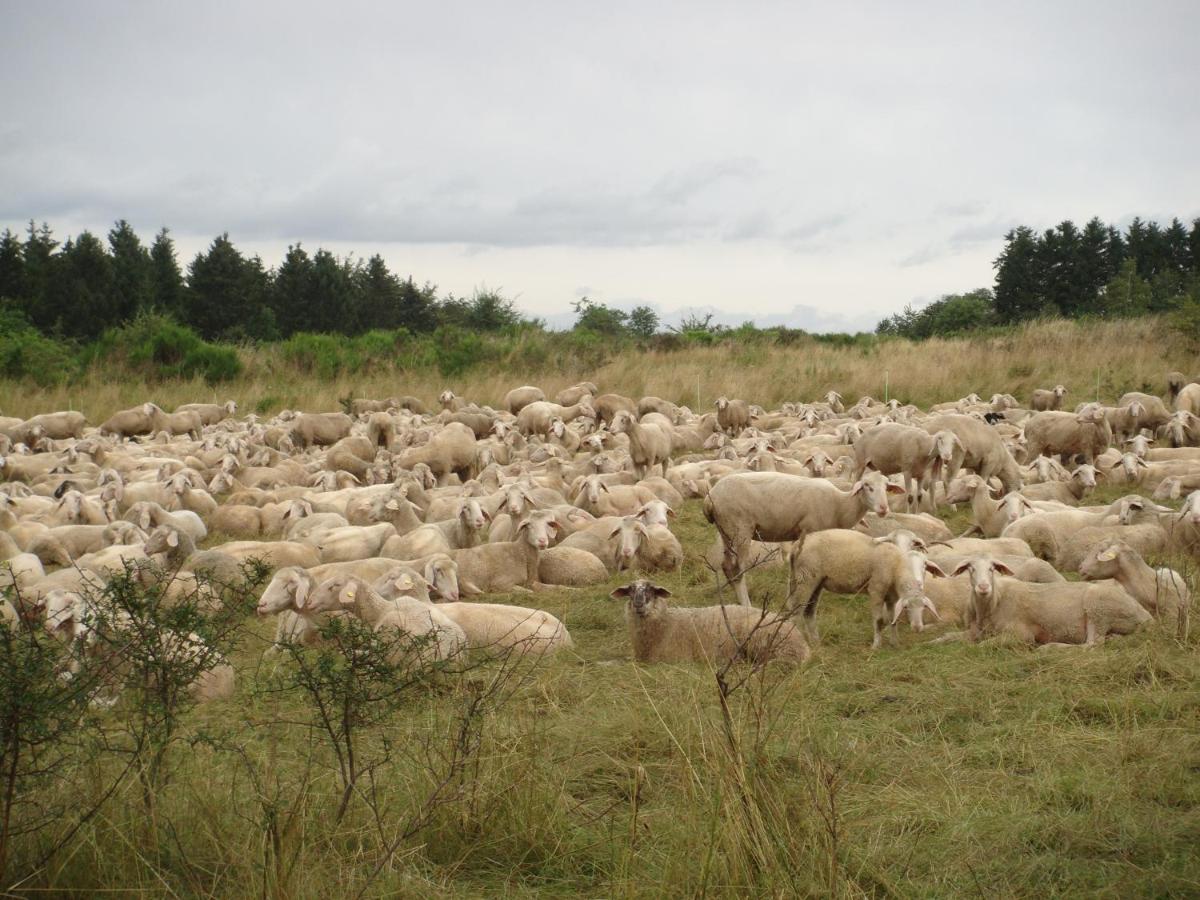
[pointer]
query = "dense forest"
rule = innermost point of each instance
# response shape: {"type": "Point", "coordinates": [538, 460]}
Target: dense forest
{"type": "Point", "coordinates": [1071, 272]}
{"type": "Point", "coordinates": [77, 290]}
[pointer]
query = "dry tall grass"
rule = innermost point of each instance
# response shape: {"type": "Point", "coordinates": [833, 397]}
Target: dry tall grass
{"type": "Point", "coordinates": [1093, 359]}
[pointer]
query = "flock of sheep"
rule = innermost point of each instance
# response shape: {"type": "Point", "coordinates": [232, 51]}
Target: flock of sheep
{"type": "Point", "coordinates": [395, 514]}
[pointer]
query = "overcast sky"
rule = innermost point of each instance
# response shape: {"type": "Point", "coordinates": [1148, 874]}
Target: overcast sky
{"type": "Point", "coordinates": [814, 163]}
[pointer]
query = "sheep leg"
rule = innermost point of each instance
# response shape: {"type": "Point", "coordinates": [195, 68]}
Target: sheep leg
{"type": "Point", "coordinates": [730, 565]}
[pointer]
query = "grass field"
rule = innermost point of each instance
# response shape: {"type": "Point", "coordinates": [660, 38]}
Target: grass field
{"type": "Point", "coordinates": [1093, 359]}
{"type": "Point", "coordinates": [948, 770]}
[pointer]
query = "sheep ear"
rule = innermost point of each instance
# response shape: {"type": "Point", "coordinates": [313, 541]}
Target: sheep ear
{"type": "Point", "coordinates": [934, 569]}
{"type": "Point", "coordinates": [857, 489]}
{"type": "Point", "coordinates": [928, 604]}
{"type": "Point", "coordinates": [616, 530]}
{"type": "Point", "coordinates": [173, 539]}
{"type": "Point", "coordinates": [348, 594]}
{"type": "Point", "coordinates": [604, 487]}
{"type": "Point", "coordinates": [404, 582]}
{"type": "Point", "coordinates": [430, 574]}
{"type": "Point", "coordinates": [961, 567]}
{"type": "Point", "coordinates": [1141, 462]}
{"type": "Point", "coordinates": [898, 610]}
{"type": "Point", "coordinates": [660, 591]}
{"type": "Point", "coordinates": [895, 488]}
{"type": "Point", "coordinates": [671, 512]}
{"type": "Point", "coordinates": [301, 592]}
{"type": "Point", "coordinates": [1108, 555]}
{"type": "Point", "coordinates": [1002, 568]}
{"type": "Point", "coordinates": [622, 592]}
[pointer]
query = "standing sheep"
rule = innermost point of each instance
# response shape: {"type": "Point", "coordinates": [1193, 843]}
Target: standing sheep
{"type": "Point", "coordinates": [732, 415]}
{"type": "Point", "coordinates": [1047, 400]}
{"type": "Point", "coordinates": [649, 445]}
{"type": "Point", "coordinates": [1086, 433]}
{"type": "Point", "coordinates": [519, 398]}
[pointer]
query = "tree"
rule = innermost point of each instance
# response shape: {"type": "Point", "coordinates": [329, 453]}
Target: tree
{"type": "Point", "coordinates": [379, 294]}
{"type": "Point", "coordinates": [292, 291]}
{"type": "Point", "coordinates": [132, 282]}
{"type": "Point", "coordinates": [224, 289]}
{"type": "Point", "coordinates": [332, 300]}
{"type": "Point", "coordinates": [166, 279]}
{"type": "Point", "coordinates": [81, 295]}
{"type": "Point", "coordinates": [39, 261]}
{"type": "Point", "coordinates": [597, 317]}
{"type": "Point", "coordinates": [643, 321]}
{"type": "Point", "coordinates": [1093, 266]}
{"type": "Point", "coordinates": [1019, 288]}
{"type": "Point", "coordinates": [13, 286]}
{"type": "Point", "coordinates": [1127, 294]}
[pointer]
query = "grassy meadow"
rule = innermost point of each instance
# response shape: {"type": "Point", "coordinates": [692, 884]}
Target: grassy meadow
{"type": "Point", "coordinates": [923, 770]}
{"type": "Point", "coordinates": [918, 771]}
{"type": "Point", "coordinates": [1104, 358]}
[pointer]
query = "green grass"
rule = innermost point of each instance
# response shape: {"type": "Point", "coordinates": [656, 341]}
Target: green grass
{"type": "Point", "coordinates": [926, 770]}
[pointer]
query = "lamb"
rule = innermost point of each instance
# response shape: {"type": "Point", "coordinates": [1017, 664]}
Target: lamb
{"type": "Point", "coordinates": [900, 450]}
{"type": "Point", "coordinates": [1046, 614]}
{"type": "Point", "coordinates": [773, 507]}
{"type": "Point", "coordinates": [626, 543]}
{"type": "Point", "coordinates": [1047, 400]}
{"type": "Point", "coordinates": [846, 562]}
{"type": "Point", "coordinates": [1162, 591]}
{"type": "Point", "coordinates": [1085, 433]}
{"type": "Point", "coordinates": [649, 444]}
{"type": "Point", "coordinates": [716, 635]}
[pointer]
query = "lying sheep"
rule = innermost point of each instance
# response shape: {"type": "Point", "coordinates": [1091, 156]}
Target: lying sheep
{"type": "Point", "coordinates": [712, 634]}
{"type": "Point", "coordinates": [507, 565]}
{"type": "Point", "coordinates": [1046, 614]}
{"type": "Point", "coordinates": [570, 566]}
{"type": "Point", "coordinates": [1162, 591]}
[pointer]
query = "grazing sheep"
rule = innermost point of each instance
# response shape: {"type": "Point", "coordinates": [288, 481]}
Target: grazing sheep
{"type": "Point", "coordinates": [1162, 591]}
{"type": "Point", "coordinates": [575, 393]}
{"type": "Point", "coordinates": [1188, 399]}
{"type": "Point", "coordinates": [1046, 614]}
{"type": "Point", "coordinates": [537, 417]}
{"type": "Point", "coordinates": [519, 398]}
{"type": "Point", "coordinates": [894, 449]}
{"type": "Point", "coordinates": [982, 450]}
{"type": "Point", "coordinates": [711, 634]}
{"type": "Point", "coordinates": [449, 452]}
{"type": "Point", "coordinates": [319, 429]}
{"type": "Point", "coordinates": [210, 413]}
{"type": "Point", "coordinates": [773, 507]}
{"type": "Point", "coordinates": [847, 562]}
{"type": "Point", "coordinates": [1043, 399]}
{"type": "Point", "coordinates": [1086, 433]}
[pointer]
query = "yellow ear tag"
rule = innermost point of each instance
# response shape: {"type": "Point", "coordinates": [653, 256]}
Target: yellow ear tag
{"type": "Point", "coordinates": [1106, 556]}
{"type": "Point", "coordinates": [404, 583]}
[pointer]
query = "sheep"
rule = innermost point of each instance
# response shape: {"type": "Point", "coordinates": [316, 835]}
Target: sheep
{"type": "Point", "coordinates": [570, 566]}
{"type": "Point", "coordinates": [621, 543]}
{"type": "Point", "coordinates": [1047, 400]}
{"type": "Point", "coordinates": [649, 444]}
{"type": "Point", "coordinates": [732, 415]}
{"type": "Point", "coordinates": [536, 417]}
{"type": "Point", "coordinates": [1154, 412]}
{"type": "Point", "coordinates": [982, 450]}
{"type": "Point", "coordinates": [351, 542]}
{"type": "Point", "coordinates": [894, 449]}
{"type": "Point", "coordinates": [500, 629]}
{"type": "Point", "coordinates": [1188, 399]}
{"type": "Point", "coordinates": [573, 394]}
{"type": "Point", "coordinates": [927, 527]}
{"type": "Point", "coordinates": [132, 422]}
{"type": "Point", "coordinates": [716, 635]}
{"type": "Point", "coordinates": [275, 554]}
{"type": "Point", "coordinates": [774, 507]}
{"type": "Point", "coordinates": [433, 636]}
{"type": "Point", "coordinates": [1046, 614]}
{"type": "Point", "coordinates": [449, 452]}
{"type": "Point", "coordinates": [1127, 420]}
{"type": "Point", "coordinates": [1070, 492]}
{"type": "Point", "coordinates": [1162, 591]}
{"type": "Point", "coordinates": [1085, 433]}
{"type": "Point", "coordinates": [319, 429]}
{"type": "Point", "coordinates": [148, 515]}
{"type": "Point", "coordinates": [1047, 532]}
{"type": "Point", "coordinates": [846, 562]}
{"type": "Point", "coordinates": [180, 552]}
{"type": "Point", "coordinates": [210, 413]}
{"type": "Point", "coordinates": [601, 499]}
{"type": "Point", "coordinates": [518, 398]}
{"type": "Point", "coordinates": [1182, 429]}
{"type": "Point", "coordinates": [507, 565]}
{"type": "Point", "coordinates": [606, 406]}
{"type": "Point", "coordinates": [58, 426]}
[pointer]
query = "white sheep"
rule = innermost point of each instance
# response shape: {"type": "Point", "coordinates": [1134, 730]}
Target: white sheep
{"type": "Point", "coordinates": [1162, 591]}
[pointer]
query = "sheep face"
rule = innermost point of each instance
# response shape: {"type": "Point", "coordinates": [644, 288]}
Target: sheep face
{"type": "Point", "coordinates": [472, 515]}
{"type": "Point", "coordinates": [289, 589]}
{"type": "Point", "coordinates": [874, 489]}
{"type": "Point", "coordinates": [539, 529]}
{"type": "Point", "coordinates": [912, 597]}
{"type": "Point", "coordinates": [1190, 511]}
{"type": "Point", "coordinates": [982, 572]}
{"type": "Point", "coordinates": [1103, 562]}
{"type": "Point", "coordinates": [654, 512]}
{"type": "Point", "coordinates": [630, 533]}
{"type": "Point", "coordinates": [644, 599]}
{"type": "Point", "coordinates": [441, 574]}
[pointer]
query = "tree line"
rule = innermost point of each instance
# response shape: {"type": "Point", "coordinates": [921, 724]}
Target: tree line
{"type": "Point", "coordinates": [85, 285]}
{"type": "Point", "coordinates": [1097, 270]}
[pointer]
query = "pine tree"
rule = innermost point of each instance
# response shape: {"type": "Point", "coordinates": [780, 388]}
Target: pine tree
{"type": "Point", "coordinates": [1019, 287]}
{"type": "Point", "coordinates": [132, 273]}
{"type": "Point", "coordinates": [13, 286]}
{"type": "Point", "coordinates": [80, 294]}
{"type": "Point", "coordinates": [38, 254]}
{"type": "Point", "coordinates": [291, 292]}
{"type": "Point", "coordinates": [166, 279]}
{"type": "Point", "coordinates": [221, 287]}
